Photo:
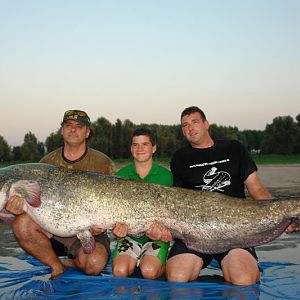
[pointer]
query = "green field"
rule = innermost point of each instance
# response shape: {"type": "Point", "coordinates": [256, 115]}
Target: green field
{"type": "Point", "coordinates": [260, 159]}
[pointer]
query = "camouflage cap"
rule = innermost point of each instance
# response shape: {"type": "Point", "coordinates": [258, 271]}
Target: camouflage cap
{"type": "Point", "coordinates": [77, 115]}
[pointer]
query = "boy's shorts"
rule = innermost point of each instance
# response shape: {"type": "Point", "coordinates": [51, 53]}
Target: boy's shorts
{"type": "Point", "coordinates": [138, 247]}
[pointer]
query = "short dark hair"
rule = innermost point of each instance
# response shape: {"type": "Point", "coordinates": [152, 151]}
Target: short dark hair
{"type": "Point", "coordinates": [144, 131]}
{"type": "Point", "coordinates": [192, 109]}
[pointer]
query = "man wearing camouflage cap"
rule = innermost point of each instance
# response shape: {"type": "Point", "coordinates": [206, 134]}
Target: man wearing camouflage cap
{"type": "Point", "coordinates": [74, 154]}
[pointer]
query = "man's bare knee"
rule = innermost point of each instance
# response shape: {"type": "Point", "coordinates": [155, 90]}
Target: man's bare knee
{"type": "Point", "coordinates": [178, 276]}
{"type": "Point", "coordinates": [121, 271]}
{"type": "Point", "coordinates": [245, 279]}
{"type": "Point", "coordinates": [92, 264]}
{"type": "Point", "coordinates": [151, 272]}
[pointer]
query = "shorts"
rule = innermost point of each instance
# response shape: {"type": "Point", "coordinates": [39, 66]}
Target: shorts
{"type": "Point", "coordinates": [180, 248]}
{"type": "Point", "coordinates": [72, 244]}
{"type": "Point", "coordinates": [138, 247]}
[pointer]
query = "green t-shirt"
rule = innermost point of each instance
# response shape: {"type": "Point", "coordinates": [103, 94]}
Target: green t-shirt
{"type": "Point", "coordinates": [157, 174]}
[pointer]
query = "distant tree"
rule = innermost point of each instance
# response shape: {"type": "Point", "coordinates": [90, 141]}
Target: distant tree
{"type": "Point", "coordinates": [223, 132]}
{"type": "Point", "coordinates": [5, 150]}
{"type": "Point", "coordinates": [167, 142]}
{"type": "Point", "coordinates": [227, 132]}
{"type": "Point", "coordinates": [102, 136]}
{"type": "Point", "coordinates": [180, 139]}
{"type": "Point", "coordinates": [297, 144]}
{"type": "Point", "coordinates": [281, 136]}
{"type": "Point", "coordinates": [54, 141]}
{"type": "Point", "coordinates": [41, 149]}
{"type": "Point", "coordinates": [163, 137]}
{"type": "Point", "coordinates": [117, 140]}
{"type": "Point", "coordinates": [31, 149]}
{"type": "Point", "coordinates": [254, 139]}
{"type": "Point", "coordinates": [16, 153]}
{"type": "Point", "coordinates": [127, 130]}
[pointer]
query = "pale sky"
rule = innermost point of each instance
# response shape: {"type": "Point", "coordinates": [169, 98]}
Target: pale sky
{"type": "Point", "coordinates": [146, 61]}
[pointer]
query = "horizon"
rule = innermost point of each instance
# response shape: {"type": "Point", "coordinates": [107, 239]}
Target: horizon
{"type": "Point", "coordinates": [112, 123]}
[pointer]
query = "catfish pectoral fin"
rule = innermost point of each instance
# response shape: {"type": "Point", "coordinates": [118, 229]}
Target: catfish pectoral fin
{"type": "Point", "coordinates": [29, 190]}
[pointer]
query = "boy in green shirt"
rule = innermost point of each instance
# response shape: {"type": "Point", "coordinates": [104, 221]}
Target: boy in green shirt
{"type": "Point", "coordinates": [150, 255]}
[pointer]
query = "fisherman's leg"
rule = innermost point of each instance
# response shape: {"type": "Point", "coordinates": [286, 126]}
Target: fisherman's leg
{"type": "Point", "coordinates": [94, 263]}
{"type": "Point", "coordinates": [90, 264]}
{"type": "Point", "coordinates": [60, 250]}
{"type": "Point", "coordinates": [183, 265]}
{"type": "Point", "coordinates": [151, 267]}
{"type": "Point", "coordinates": [123, 265]}
{"type": "Point", "coordinates": [240, 267]}
{"type": "Point", "coordinates": [35, 242]}
{"type": "Point", "coordinates": [125, 256]}
{"type": "Point", "coordinates": [153, 262]}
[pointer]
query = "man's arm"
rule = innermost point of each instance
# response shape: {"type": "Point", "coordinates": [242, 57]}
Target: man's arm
{"type": "Point", "coordinates": [255, 188]}
{"type": "Point", "coordinates": [258, 192]}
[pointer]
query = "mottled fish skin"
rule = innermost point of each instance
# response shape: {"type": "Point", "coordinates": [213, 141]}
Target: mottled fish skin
{"type": "Point", "coordinates": [73, 201]}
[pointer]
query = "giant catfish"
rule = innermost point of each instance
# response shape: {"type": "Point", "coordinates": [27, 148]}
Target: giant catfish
{"type": "Point", "coordinates": [67, 203]}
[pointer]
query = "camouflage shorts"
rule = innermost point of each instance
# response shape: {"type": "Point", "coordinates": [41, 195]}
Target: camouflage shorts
{"type": "Point", "coordinates": [138, 247]}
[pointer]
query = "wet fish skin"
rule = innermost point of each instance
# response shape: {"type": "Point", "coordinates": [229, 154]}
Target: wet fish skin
{"type": "Point", "coordinates": [73, 201]}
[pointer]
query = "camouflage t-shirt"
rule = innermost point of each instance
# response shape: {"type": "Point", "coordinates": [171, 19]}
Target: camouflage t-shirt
{"type": "Point", "coordinates": [93, 160]}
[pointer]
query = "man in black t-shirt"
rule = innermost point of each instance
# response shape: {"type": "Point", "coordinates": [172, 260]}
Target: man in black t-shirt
{"type": "Point", "coordinates": [222, 166]}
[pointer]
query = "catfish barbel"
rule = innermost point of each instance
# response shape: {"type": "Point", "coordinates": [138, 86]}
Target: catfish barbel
{"type": "Point", "coordinates": [67, 203]}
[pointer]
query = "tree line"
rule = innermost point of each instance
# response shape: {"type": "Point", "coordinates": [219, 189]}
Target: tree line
{"type": "Point", "coordinates": [282, 136]}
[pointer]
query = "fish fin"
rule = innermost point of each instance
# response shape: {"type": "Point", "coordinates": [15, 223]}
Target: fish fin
{"type": "Point", "coordinates": [6, 216]}
{"type": "Point", "coordinates": [87, 241]}
{"type": "Point", "coordinates": [28, 190]}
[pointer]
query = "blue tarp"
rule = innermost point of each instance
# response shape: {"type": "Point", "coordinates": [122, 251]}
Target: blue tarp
{"type": "Point", "coordinates": [25, 278]}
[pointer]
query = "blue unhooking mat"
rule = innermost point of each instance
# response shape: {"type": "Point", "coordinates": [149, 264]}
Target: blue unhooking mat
{"type": "Point", "coordinates": [24, 277]}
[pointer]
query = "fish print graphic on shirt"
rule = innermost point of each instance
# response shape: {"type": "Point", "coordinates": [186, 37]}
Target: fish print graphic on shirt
{"type": "Point", "coordinates": [215, 181]}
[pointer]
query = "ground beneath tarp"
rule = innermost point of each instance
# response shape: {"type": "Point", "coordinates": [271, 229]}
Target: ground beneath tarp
{"type": "Point", "coordinates": [25, 278]}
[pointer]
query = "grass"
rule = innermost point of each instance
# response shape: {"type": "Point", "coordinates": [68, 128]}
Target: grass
{"type": "Point", "coordinates": [264, 159]}
{"type": "Point", "coordinates": [260, 159]}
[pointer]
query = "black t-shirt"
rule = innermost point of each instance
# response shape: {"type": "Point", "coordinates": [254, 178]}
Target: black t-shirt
{"type": "Point", "coordinates": [221, 168]}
